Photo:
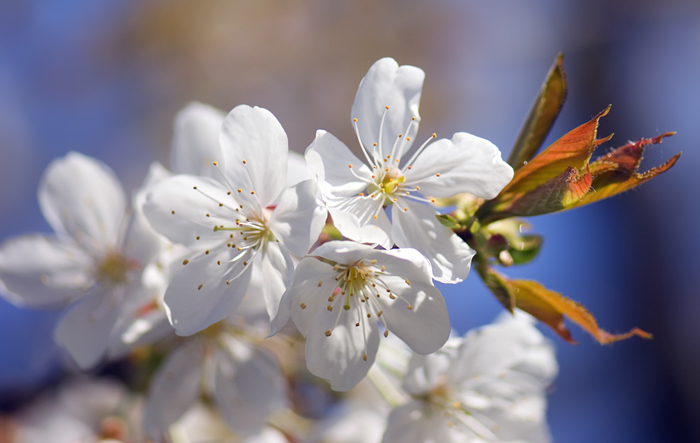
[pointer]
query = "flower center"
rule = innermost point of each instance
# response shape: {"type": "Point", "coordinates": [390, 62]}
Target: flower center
{"type": "Point", "coordinates": [250, 233]}
{"type": "Point", "coordinates": [359, 292]}
{"type": "Point", "coordinates": [114, 269]}
{"type": "Point", "coordinates": [388, 184]}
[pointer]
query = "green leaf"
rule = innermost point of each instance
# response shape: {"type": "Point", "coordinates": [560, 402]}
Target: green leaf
{"type": "Point", "coordinates": [449, 221]}
{"type": "Point", "coordinates": [526, 250]}
{"type": "Point", "coordinates": [544, 112]}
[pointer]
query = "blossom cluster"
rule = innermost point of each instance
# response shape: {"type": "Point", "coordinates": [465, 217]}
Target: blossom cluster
{"type": "Point", "coordinates": [203, 268]}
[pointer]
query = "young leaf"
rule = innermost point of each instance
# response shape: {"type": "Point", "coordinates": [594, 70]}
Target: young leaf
{"type": "Point", "coordinates": [544, 111]}
{"type": "Point", "coordinates": [547, 306]}
{"type": "Point", "coordinates": [616, 172]}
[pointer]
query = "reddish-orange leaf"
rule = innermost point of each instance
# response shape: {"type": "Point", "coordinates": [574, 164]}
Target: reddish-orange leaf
{"type": "Point", "coordinates": [551, 307]}
{"type": "Point", "coordinates": [555, 195]}
{"type": "Point", "coordinates": [572, 150]}
{"type": "Point", "coordinates": [616, 172]}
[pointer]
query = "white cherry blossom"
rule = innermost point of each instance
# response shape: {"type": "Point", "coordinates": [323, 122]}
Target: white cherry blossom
{"type": "Point", "coordinates": [245, 218]}
{"type": "Point", "coordinates": [94, 262]}
{"type": "Point", "coordinates": [221, 362]}
{"type": "Point", "coordinates": [385, 118]}
{"type": "Point", "coordinates": [488, 387]}
{"type": "Point", "coordinates": [343, 293]}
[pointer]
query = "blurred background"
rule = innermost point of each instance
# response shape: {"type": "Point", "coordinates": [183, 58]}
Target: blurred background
{"type": "Point", "coordinates": [106, 79]}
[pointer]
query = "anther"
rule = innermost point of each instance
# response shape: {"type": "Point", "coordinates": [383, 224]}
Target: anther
{"type": "Point", "coordinates": [361, 194]}
{"type": "Point", "coordinates": [199, 287]}
{"type": "Point", "coordinates": [218, 262]}
{"type": "Point", "coordinates": [194, 187]}
{"type": "Point", "coordinates": [417, 188]}
{"type": "Point", "coordinates": [172, 212]}
{"type": "Point", "coordinates": [245, 162]}
{"type": "Point", "coordinates": [408, 282]}
{"type": "Point", "coordinates": [302, 305]}
{"type": "Point", "coordinates": [437, 175]}
{"type": "Point", "coordinates": [408, 139]}
{"type": "Point", "coordinates": [206, 252]}
{"type": "Point", "coordinates": [387, 106]}
{"type": "Point", "coordinates": [228, 282]}
{"type": "Point", "coordinates": [245, 263]}
{"type": "Point", "coordinates": [410, 307]}
{"type": "Point", "coordinates": [320, 283]}
{"type": "Point", "coordinates": [369, 315]}
{"type": "Point", "coordinates": [253, 192]}
{"type": "Point", "coordinates": [405, 209]}
{"type": "Point", "coordinates": [216, 163]}
{"type": "Point", "coordinates": [357, 324]}
{"type": "Point", "coordinates": [221, 204]}
{"type": "Point", "coordinates": [392, 296]}
{"type": "Point", "coordinates": [409, 167]}
{"type": "Point", "coordinates": [208, 214]}
{"type": "Point", "coordinates": [386, 333]}
{"type": "Point", "coordinates": [330, 308]}
{"type": "Point", "coordinates": [350, 165]}
{"type": "Point", "coordinates": [379, 314]}
{"type": "Point", "coordinates": [184, 262]}
{"type": "Point", "coordinates": [240, 190]}
{"type": "Point", "coordinates": [355, 120]}
{"type": "Point", "coordinates": [328, 333]}
{"type": "Point", "coordinates": [383, 268]}
{"type": "Point", "coordinates": [376, 217]}
{"type": "Point", "coordinates": [228, 193]}
{"type": "Point", "coordinates": [198, 237]}
{"type": "Point", "coordinates": [364, 356]}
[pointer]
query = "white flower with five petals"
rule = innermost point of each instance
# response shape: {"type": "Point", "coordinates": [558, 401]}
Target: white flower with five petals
{"type": "Point", "coordinates": [385, 117]}
{"type": "Point", "coordinates": [245, 218]}
{"type": "Point", "coordinates": [488, 387]}
{"type": "Point", "coordinates": [340, 296]}
{"type": "Point", "coordinates": [95, 262]}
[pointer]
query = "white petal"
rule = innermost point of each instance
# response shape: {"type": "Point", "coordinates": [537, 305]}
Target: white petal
{"type": "Point", "coordinates": [277, 269]}
{"type": "Point", "coordinates": [425, 327]}
{"type": "Point", "coordinates": [193, 307]}
{"type": "Point", "coordinates": [177, 208]}
{"type": "Point", "coordinates": [174, 387]}
{"type": "Point", "coordinates": [374, 232]}
{"type": "Point", "coordinates": [297, 171]}
{"type": "Point", "coordinates": [388, 84]}
{"type": "Point", "coordinates": [466, 163]}
{"type": "Point", "coordinates": [86, 328]}
{"type": "Point", "coordinates": [247, 390]}
{"type": "Point", "coordinates": [343, 252]}
{"type": "Point", "coordinates": [415, 422]}
{"type": "Point", "coordinates": [314, 281]}
{"type": "Point", "coordinates": [513, 345]}
{"type": "Point", "coordinates": [298, 219]}
{"type": "Point", "coordinates": [426, 372]}
{"type": "Point", "coordinates": [339, 358]}
{"type": "Point", "coordinates": [418, 228]}
{"type": "Point", "coordinates": [141, 242]}
{"type": "Point", "coordinates": [255, 135]}
{"type": "Point", "coordinates": [81, 197]}
{"type": "Point", "coordinates": [329, 159]}
{"type": "Point", "coordinates": [43, 271]}
{"type": "Point", "coordinates": [195, 143]}
{"type": "Point", "coordinates": [404, 262]}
